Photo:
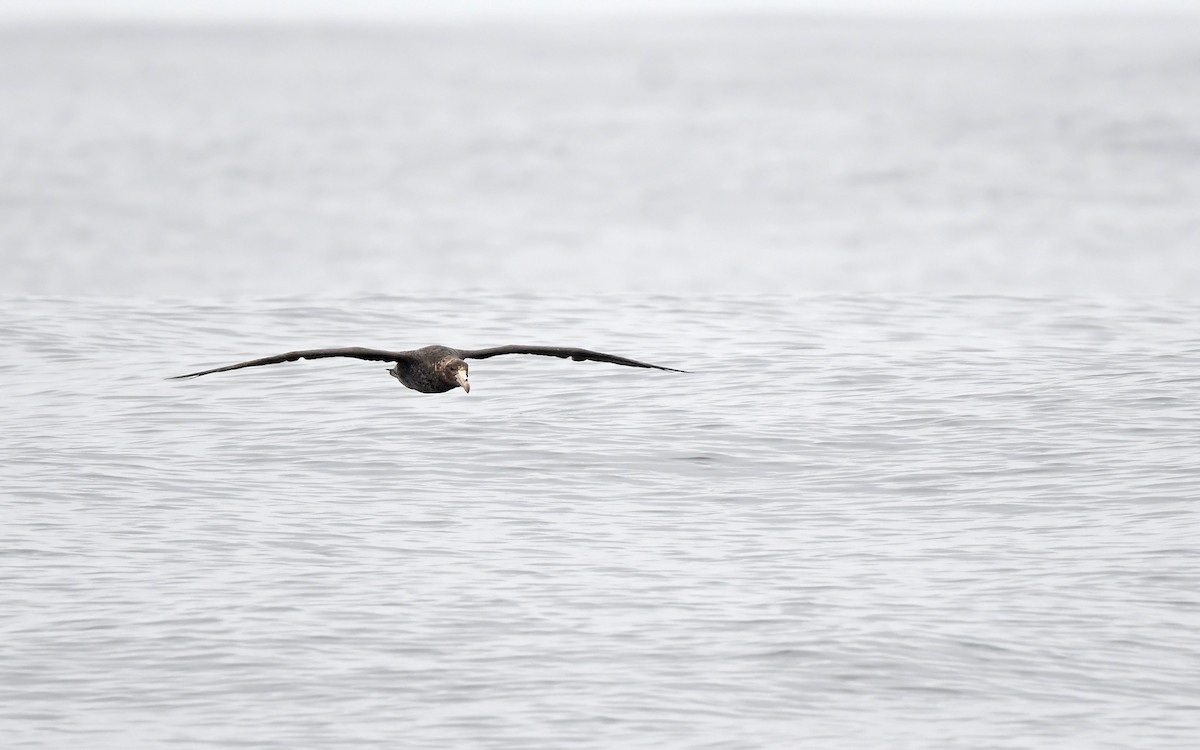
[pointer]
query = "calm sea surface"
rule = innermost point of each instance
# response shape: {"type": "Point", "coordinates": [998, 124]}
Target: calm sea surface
{"type": "Point", "coordinates": [861, 521]}
{"type": "Point", "coordinates": [932, 480]}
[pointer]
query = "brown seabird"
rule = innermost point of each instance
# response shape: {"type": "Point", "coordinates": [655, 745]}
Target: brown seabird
{"type": "Point", "coordinates": [432, 369]}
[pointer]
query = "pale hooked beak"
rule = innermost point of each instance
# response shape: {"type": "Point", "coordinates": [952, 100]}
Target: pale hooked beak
{"type": "Point", "coordinates": [461, 377]}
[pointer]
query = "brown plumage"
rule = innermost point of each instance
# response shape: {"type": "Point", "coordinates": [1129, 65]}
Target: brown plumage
{"type": "Point", "coordinates": [432, 369]}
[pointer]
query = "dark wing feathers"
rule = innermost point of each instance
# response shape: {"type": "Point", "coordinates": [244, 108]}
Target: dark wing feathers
{"type": "Point", "coordinates": [357, 352]}
{"type": "Point", "coordinates": [556, 351]}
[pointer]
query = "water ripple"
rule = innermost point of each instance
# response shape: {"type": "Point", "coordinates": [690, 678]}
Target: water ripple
{"type": "Point", "coordinates": [969, 519]}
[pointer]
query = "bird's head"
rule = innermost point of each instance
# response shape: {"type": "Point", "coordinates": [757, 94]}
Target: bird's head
{"type": "Point", "coordinates": [458, 371]}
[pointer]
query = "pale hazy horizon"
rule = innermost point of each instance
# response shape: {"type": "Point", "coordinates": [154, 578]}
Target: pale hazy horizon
{"type": "Point", "coordinates": [149, 10]}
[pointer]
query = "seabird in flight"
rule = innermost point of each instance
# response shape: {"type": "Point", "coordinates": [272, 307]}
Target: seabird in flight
{"type": "Point", "coordinates": [431, 369]}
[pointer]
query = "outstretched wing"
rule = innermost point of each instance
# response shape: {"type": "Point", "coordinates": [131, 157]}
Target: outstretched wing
{"type": "Point", "coordinates": [556, 351]}
{"type": "Point", "coordinates": [357, 352]}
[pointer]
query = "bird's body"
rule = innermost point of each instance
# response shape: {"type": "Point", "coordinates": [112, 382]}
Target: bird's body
{"type": "Point", "coordinates": [431, 369]}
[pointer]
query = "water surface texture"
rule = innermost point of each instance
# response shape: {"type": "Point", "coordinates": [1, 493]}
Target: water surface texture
{"type": "Point", "coordinates": [869, 522]}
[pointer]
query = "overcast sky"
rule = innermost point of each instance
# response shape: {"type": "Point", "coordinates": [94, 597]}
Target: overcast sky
{"type": "Point", "coordinates": [384, 9]}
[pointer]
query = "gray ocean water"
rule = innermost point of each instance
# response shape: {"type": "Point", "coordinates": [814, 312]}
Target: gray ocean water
{"type": "Point", "coordinates": [931, 481]}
